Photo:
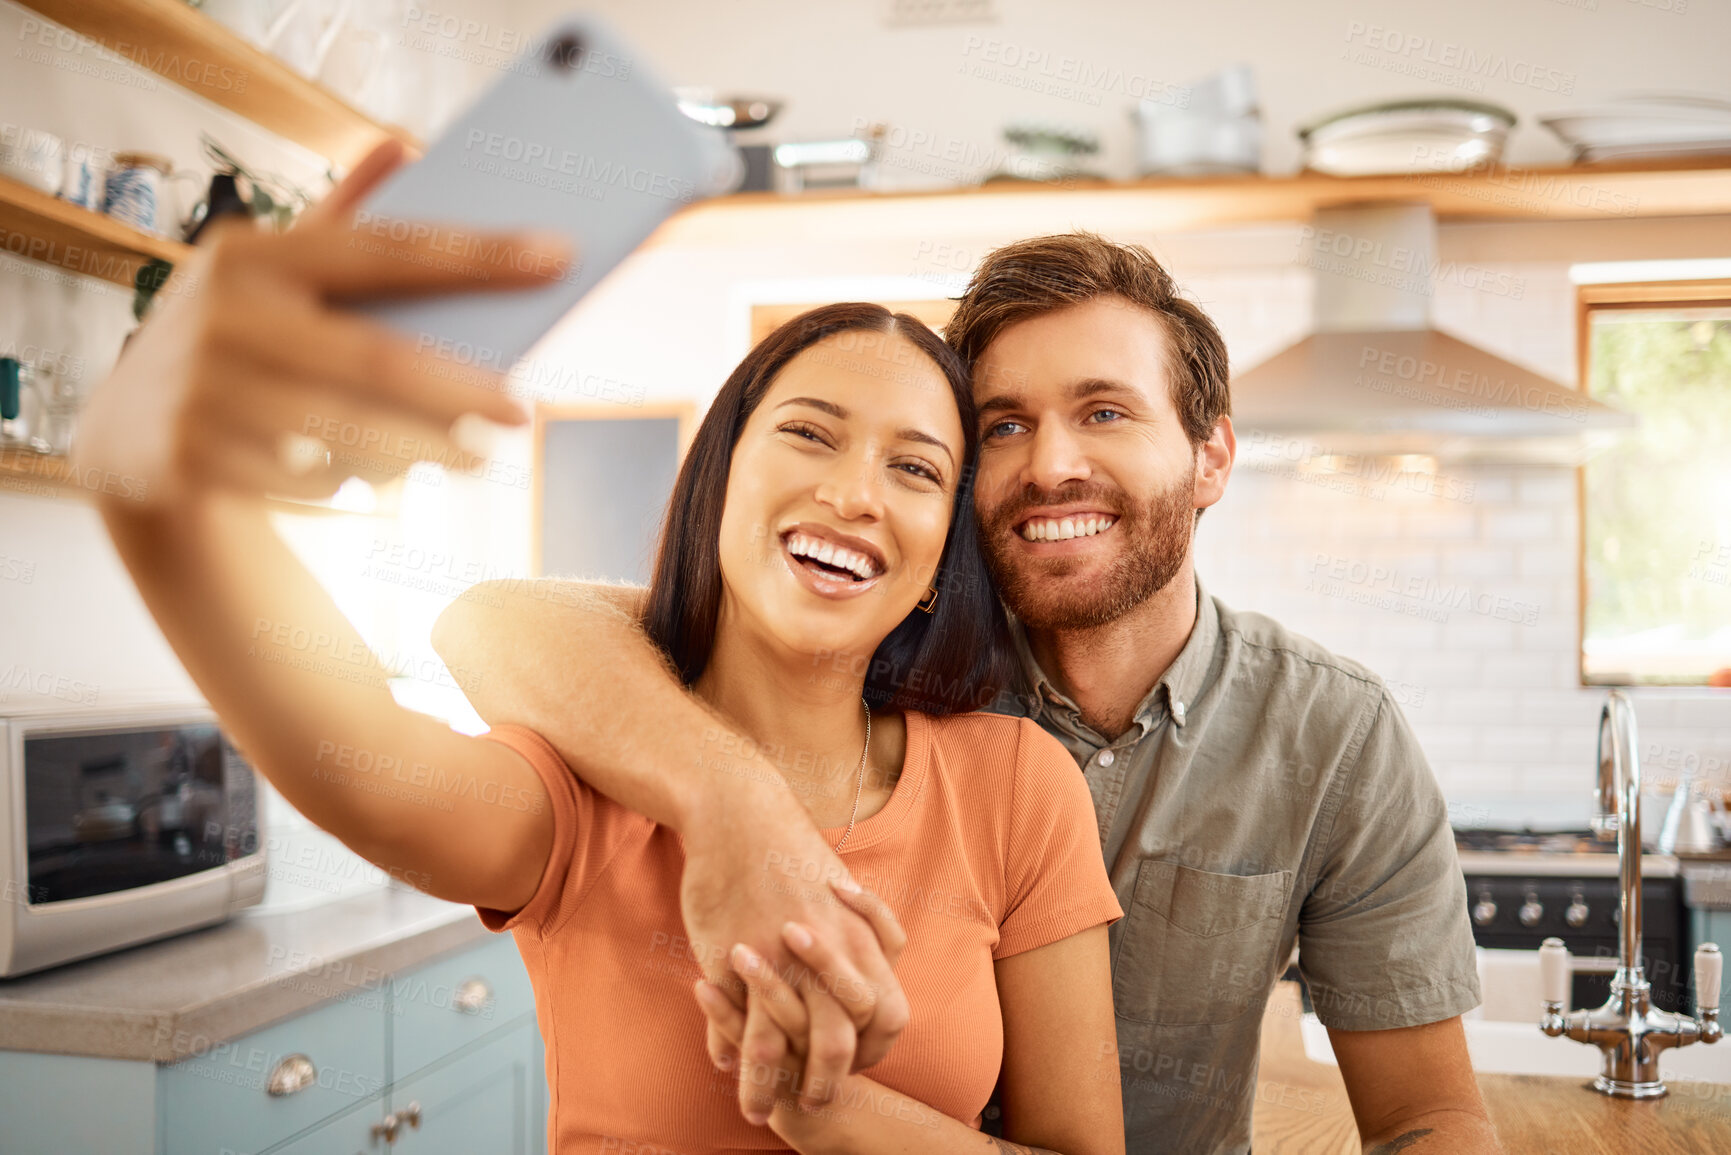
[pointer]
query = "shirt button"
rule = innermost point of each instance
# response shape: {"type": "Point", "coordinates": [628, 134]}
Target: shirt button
{"type": "Point", "coordinates": [1178, 711]}
{"type": "Point", "coordinates": [1106, 758]}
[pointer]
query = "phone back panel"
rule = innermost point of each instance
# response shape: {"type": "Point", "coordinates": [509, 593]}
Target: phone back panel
{"type": "Point", "coordinates": [598, 152]}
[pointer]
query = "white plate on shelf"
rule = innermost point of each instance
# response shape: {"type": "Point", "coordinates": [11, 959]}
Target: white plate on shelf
{"type": "Point", "coordinates": [1407, 136]}
{"type": "Point", "coordinates": [1645, 126]}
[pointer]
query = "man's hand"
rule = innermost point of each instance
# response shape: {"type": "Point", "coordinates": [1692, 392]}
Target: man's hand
{"type": "Point", "coordinates": [758, 873]}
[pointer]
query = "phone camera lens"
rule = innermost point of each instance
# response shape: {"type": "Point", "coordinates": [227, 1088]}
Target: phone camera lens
{"type": "Point", "coordinates": [565, 53]}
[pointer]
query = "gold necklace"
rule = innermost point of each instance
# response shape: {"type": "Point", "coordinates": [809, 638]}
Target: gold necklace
{"type": "Point", "coordinates": [859, 787]}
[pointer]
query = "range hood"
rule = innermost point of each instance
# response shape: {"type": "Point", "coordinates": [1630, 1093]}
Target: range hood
{"type": "Point", "coordinates": [1375, 378]}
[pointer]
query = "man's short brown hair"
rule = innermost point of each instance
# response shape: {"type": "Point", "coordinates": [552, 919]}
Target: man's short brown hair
{"type": "Point", "coordinates": [1041, 274]}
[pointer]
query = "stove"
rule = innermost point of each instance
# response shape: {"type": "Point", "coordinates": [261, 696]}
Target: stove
{"type": "Point", "coordinates": [1524, 886]}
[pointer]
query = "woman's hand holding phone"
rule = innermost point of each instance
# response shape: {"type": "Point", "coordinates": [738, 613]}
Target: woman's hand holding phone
{"type": "Point", "coordinates": [250, 376]}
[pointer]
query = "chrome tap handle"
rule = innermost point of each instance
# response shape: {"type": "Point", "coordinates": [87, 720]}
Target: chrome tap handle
{"type": "Point", "coordinates": [1556, 977]}
{"type": "Point", "coordinates": [1709, 970]}
{"type": "Point", "coordinates": [1556, 972]}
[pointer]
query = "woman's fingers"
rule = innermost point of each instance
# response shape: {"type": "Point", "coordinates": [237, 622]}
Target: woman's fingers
{"type": "Point", "coordinates": [761, 1051]}
{"type": "Point", "coordinates": [829, 1049]}
{"type": "Point", "coordinates": [362, 357]}
{"type": "Point", "coordinates": [726, 1029]}
{"type": "Point", "coordinates": [246, 469]}
{"type": "Point", "coordinates": [781, 1002]}
{"type": "Point", "coordinates": [726, 1022]}
{"type": "Point", "coordinates": [383, 256]}
{"type": "Point", "coordinates": [320, 437]}
{"type": "Point", "coordinates": [385, 158]}
{"type": "Point", "coordinates": [774, 1044]}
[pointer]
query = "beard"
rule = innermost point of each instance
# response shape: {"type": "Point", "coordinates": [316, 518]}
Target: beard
{"type": "Point", "coordinates": [1048, 594]}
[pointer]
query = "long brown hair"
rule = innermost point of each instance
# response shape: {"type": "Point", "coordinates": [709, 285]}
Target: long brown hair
{"type": "Point", "coordinates": [955, 658]}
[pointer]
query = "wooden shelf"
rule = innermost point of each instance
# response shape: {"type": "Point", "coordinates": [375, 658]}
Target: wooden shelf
{"type": "Point", "coordinates": [46, 475]}
{"type": "Point", "coordinates": [39, 227]}
{"type": "Point", "coordinates": [22, 471]}
{"type": "Point", "coordinates": [183, 45]}
{"type": "Point", "coordinates": [1010, 208]}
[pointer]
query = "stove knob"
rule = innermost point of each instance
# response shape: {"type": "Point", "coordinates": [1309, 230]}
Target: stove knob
{"type": "Point", "coordinates": [1531, 911]}
{"type": "Point", "coordinates": [1484, 910]}
{"type": "Point", "coordinates": [1576, 915]}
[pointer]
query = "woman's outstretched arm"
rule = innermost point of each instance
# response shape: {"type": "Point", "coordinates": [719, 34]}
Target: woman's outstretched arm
{"type": "Point", "coordinates": [247, 347]}
{"type": "Point", "coordinates": [306, 700]}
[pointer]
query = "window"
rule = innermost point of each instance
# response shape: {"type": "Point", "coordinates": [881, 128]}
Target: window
{"type": "Point", "coordinates": [1656, 507]}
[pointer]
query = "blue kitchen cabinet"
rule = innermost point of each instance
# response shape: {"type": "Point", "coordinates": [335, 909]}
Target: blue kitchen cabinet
{"type": "Point", "coordinates": [1714, 926]}
{"type": "Point", "coordinates": [478, 1102]}
{"type": "Point", "coordinates": [451, 1045]}
{"type": "Point", "coordinates": [219, 1099]}
{"type": "Point", "coordinates": [358, 1131]}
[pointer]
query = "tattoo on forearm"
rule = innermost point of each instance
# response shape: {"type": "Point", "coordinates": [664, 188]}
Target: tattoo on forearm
{"type": "Point", "coordinates": [1399, 1142]}
{"type": "Point", "coordinates": [1005, 1147]}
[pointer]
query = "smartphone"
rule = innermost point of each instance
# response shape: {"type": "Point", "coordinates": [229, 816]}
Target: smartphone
{"type": "Point", "coordinates": [577, 137]}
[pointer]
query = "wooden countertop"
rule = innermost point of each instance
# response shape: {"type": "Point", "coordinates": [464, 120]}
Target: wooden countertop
{"type": "Point", "coordinates": [1302, 1109]}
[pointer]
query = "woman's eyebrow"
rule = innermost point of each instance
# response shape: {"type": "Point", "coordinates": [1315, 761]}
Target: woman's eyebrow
{"type": "Point", "coordinates": [906, 433]}
{"type": "Point", "coordinates": [911, 434]}
{"type": "Point", "coordinates": [829, 407]}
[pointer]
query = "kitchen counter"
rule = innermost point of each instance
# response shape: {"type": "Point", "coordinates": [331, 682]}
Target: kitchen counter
{"type": "Point", "coordinates": [165, 1000]}
{"type": "Point", "coordinates": [1302, 1109]}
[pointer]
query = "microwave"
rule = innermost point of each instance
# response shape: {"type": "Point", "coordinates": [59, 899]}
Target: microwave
{"type": "Point", "coordinates": [118, 826]}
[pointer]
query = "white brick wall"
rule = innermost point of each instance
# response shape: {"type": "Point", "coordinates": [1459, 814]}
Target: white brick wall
{"type": "Point", "coordinates": [1496, 704]}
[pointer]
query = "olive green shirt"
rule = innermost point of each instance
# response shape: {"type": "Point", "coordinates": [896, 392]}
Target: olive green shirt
{"type": "Point", "coordinates": [1266, 792]}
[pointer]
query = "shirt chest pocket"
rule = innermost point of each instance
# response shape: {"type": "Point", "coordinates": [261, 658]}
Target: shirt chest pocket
{"type": "Point", "coordinates": [1197, 947]}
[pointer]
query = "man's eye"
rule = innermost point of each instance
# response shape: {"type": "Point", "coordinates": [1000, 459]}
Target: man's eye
{"type": "Point", "coordinates": [1003, 428]}
{"type": "Point", "coordinates": [1111, 413]}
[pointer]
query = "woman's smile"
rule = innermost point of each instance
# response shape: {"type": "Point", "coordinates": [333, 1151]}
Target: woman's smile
{"type": "Point", "coordinates": [829, 563]}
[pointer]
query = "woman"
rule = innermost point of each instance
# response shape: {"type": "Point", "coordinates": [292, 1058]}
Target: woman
{"type": "Point", "coordinates": [820, 512]}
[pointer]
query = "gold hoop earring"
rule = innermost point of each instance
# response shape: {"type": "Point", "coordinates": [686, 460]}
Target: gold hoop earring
{"type": "Point", "coordinates": [930, 602]}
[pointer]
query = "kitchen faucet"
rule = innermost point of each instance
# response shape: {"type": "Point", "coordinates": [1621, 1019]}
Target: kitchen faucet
{"type": "Point", "coordinates": [1628, 1030]}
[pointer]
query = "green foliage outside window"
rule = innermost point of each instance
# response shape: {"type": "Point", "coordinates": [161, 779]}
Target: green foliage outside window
{"type": "Point", "coordinates": [1658, 504]}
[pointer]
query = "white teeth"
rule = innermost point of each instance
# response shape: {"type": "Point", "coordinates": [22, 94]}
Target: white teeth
{"type": "Point", "coordinates": [858, 564]}
{"type": "Point", "coordinates": [1063, 529]}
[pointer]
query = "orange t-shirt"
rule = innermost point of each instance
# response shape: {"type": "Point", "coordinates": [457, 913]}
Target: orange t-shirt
{"type": "Point", "coordinates": [986, 848]}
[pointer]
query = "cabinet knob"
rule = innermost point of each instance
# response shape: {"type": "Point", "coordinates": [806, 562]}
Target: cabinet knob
{"type": "Point", "coordinates": [472, 996]}
{"type": "Point", "coordinates": [1484, 910]}
{"type": "Point", "coordinates": [1531, 911]}
{"type": "Point", "coordinates": [293, 1073]}
{"type": "Point", "coordinates": [388, 1127]}
{"type": "Point", "coordinates": [1576, 915]}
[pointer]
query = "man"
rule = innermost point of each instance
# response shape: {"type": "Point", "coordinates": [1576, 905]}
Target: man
{"type": "Point", "coordinates": [1252, 790]}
